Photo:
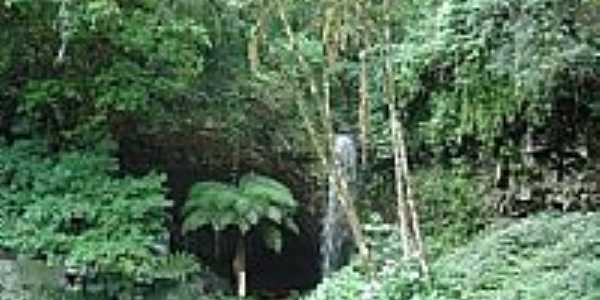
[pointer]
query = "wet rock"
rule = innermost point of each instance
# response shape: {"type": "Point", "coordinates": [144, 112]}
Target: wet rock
{"type": "Point", "coordinates": [11, 287]}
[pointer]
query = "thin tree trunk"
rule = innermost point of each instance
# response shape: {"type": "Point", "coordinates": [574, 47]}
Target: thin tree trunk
{"type": "Point", "coordinates": [389, 94]}
{"type": "Point", "coordinates": [254, 40]}
{"type": "Point", "coordinates": [407, 212]}
{"type": "Point", "coordinates": [312, 132]}
{"type": "Point", "coordinates": [239, 266]}
{"type": "Point", "coordinates": [253, 58]}
{"type": "Point", "coordinates": [414, 215]}
{"type": "Point", "coordinates": [400, 184]}
{"type": "Point", "coordinates": [363, 110]}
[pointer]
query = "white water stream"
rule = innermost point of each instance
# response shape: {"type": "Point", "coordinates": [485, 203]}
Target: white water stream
{"type": "Point", "coordinates": [335, 231]}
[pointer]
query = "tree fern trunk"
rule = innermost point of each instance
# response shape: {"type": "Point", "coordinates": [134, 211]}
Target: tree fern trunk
{"type": "Point", "coordinates": [239, 266]}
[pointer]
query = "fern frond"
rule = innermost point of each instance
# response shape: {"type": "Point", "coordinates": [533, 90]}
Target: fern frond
{"type": "Point", "coordinates": [253, 216]}
{"type": "Point", "coordinates": [267, 190]}
{"type": "Point", "coordinates": [212, 196]}
{"type": "Point", "coordinates": [274, 214]}
{"type": "Point", "coordinates": [291, 225]}
{"type": "Point", "coordinates": [256, 198]}
{"type": "Point", "coordinates": [224, 219]}
{"type": "Point", "coordinates": [195, 220]}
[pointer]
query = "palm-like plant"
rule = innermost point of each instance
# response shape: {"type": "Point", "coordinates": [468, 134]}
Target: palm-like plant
{"type": "Point", "coordinates": [256, 199]}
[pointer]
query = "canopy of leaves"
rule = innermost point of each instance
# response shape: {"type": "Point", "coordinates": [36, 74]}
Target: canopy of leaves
{"type": "Point", "coordinates": [77, 63]}
{"type": "Point", "coordinates": [256, 199]}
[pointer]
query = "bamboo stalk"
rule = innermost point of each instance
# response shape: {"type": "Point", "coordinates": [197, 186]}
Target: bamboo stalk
{"type": "Point", "coordinates": [363, 110]}
{"type": "Point", "coordinates": [409, 219]}
{"type": "Point", "coordinates": [389, 93]}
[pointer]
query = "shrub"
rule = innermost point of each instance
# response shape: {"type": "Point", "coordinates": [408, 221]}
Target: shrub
{"type": "Point", "coordinates": [72, 209]}
{"type": "Point", "coordinates": [546, 257]}
{"type": "Point", "coordinates": [346, 284]}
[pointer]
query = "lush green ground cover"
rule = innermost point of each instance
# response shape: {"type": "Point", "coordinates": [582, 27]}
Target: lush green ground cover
{"type": "Point", "coordinates": [544, 257]}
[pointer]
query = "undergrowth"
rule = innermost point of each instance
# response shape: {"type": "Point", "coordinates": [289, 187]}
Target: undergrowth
{"type": "Point", "coordinates": [546, 257]}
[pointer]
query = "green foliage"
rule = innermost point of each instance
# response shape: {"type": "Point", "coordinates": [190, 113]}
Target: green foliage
{"type": "Point", "coordinates": [466, 71]}
{"type": "Point", "coordinates": [72, 209]}
{"type": "Point", "coordinates": [384, 278]}
{"type": "Point", "coordinates": [484, 63]}
{"type": "Point", "coordinates": [451, 206]}
{"type": "Point", "coordinates": [345, 284]}
{"type": "Point", "coordinates": [450, 202]}
{"type": "Point", "coordinates": [80, 63]}
{"type": "Point", "coordinates": [543, 257]}
{"type": "Point", "coordinates": [176, 266]}
{"type": "Point", "coordinates": [256, 199]}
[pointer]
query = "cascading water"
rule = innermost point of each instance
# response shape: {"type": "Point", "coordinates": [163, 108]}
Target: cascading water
{"type": "Point", "coordinates": [335, 233]}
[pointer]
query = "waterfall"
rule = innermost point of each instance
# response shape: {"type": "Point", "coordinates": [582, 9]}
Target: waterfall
{"type": "Point", "coordinates": [335, 234]}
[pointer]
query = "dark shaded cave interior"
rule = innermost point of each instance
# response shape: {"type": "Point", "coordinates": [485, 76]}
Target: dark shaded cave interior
{"type": "Point", "coordinates": [269, 273]}
{"type": "Point", "coordinates": [187, 160]}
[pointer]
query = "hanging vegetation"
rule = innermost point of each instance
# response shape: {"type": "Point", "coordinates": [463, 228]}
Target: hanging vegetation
{"type": "Point", "coordinates": [467, 112]}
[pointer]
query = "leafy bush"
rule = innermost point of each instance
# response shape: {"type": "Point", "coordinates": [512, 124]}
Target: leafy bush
{"type": "Point", "coordinates": [545, 257]}
{"type": "Point", "coordinates": [71, 209]}
{"type": "Point", "coordinates": [451, 207]}
{"type": "Point", "coordinates": [346, 284]}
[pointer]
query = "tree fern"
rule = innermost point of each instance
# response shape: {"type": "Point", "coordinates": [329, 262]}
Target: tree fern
{"type": "Point", "coordinates": [257, 198]}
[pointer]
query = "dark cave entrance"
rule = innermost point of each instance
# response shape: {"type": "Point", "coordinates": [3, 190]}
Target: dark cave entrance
{"type": "Point", "coordinates": [271, 274]}
{"type": "Point", "coordinates": [297, 267]}
{"type": "Point", "coordinates": [190, 159]}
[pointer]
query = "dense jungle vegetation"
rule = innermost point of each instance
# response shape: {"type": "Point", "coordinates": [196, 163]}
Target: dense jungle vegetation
{"type": "Point", "coordinates": [190, 149]}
